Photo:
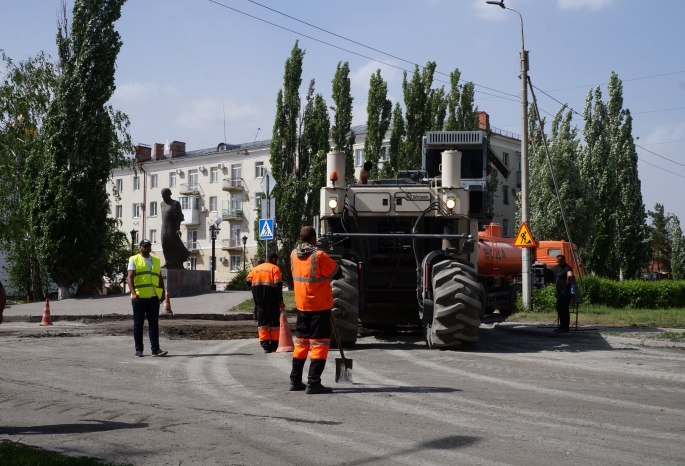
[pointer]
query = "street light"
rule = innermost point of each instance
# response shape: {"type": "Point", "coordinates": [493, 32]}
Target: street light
{"type": "Point", "coordinates": [214, 232]}
{"type": "Point", "coordinates": [133, 240]}
{"type": "Point", "coordinates": [244, 251]}
{"type": "Point", "coordinates": [525, 187]}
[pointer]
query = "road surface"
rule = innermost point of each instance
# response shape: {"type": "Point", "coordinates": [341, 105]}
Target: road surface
{"type": "Point", "coordinates": [516, 399]}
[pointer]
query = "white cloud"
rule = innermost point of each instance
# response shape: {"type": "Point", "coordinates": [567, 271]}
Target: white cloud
{"type": "Point", "coordinates": [201, 114]}
{"type": "Point", "coordinates": [138, 92]}
{"type": "Point", "coordinates": [579, 4]}
{"type": "Point", "coordinates": [663, 134]}
{"type": "Point", "coordinates": [359, 79]}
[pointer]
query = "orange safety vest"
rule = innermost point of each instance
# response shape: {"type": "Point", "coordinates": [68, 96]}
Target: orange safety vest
{"type": "Point", "coordinates": [311, 279]}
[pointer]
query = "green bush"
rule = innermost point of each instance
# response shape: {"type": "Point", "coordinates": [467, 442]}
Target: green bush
{"type": "Point", "coordinates": [543, 300]}
{"type": "Point", "coordinates": [636, 294]}
{"type": "Point", "coordinates": [238, 281]}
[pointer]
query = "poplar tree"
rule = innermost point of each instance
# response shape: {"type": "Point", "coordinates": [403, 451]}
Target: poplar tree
{"type": "Point", "coordinates": [417, 102]}
{"type": "Point", "coordinates": [453, 98]}
{"type": "Point", "coordinates": [438, 109]}
{"type": "Point", "coordinates": [392, 166]}
{"type": "Point", "coordinates": [677, 249]}
{"type": "Point", "coordinates": [343, 137]}
{"type": "Point", "coordinates": [467, 116]}
{"type": "Point", "coordinates": [86, 141]}
{"type": "Point", "coordinates": [378, 111]}
{"type": "Point", "coordinates": [661, 238]}
{"type": "Point", "coordinates": [317, 128]}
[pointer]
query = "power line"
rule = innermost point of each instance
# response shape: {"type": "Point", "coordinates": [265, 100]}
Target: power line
{"type": "Point", "coordinates": [369, 47]}
{"type": "Point", "coordinates": [655, 111]}
{"type": "Point", "coordinates": [667, 142]}
{"type": "Point", "coordinates": [624, 80]}
{"type": "Point", "coordinates": [665, 158]}
{"type": "Point", "coordinates": [660, 168]}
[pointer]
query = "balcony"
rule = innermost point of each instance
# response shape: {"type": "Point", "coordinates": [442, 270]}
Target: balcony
{"type": "Point", "coordinates": [232, 243]}
{"type": "Point", "coordinates": [233, 184]}
{"type": "Point", "coordinates": [231, 214]}
{"type": "Point", "coordinates": [193, 246]}
{"type": "Point", "coordinates": [518, 179]}
{"type": "Point", "coordinates": [189, 188]}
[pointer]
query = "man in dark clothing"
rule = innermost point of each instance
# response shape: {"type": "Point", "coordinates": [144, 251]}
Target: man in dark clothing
{"type": "Point", "coordinates": [564, 278]}
{"type": "Point", "coordinates": [266, 282]}
{"type": "Point", "coordinates": [3, 300]}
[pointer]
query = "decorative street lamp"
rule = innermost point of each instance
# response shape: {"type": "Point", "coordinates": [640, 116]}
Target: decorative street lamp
{"type": "Point", "coordinates": [525, 186]}
{"type": "Point", "coordinates": [133, 240]}
{"type": "Point", "coordinates": [214, 232]}
{"type": "Point", "coordinates": [244, 251]}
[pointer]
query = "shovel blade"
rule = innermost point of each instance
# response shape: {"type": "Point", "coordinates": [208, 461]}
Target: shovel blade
{"type": "Point", "coordinates": [343, 370]}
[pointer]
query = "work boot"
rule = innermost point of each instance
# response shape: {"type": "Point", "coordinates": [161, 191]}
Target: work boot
{"type": "Point", "coordinates": [266, 346]}
{"type": "Point", "coordinates": [274, 345]}
{"type": "Point", "coordinates": [296, 384]}
{"type": "Point", "coordinates": [317, 390]}
{"type": "Point", "coordinates": [316, 367]}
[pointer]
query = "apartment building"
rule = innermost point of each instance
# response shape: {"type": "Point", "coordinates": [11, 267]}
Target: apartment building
{"type": "Point", "coordinates": [225, 182]}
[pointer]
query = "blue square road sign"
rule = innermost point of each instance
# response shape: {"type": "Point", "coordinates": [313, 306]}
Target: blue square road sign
{"type": "Point", "coordinates": [266, 228]}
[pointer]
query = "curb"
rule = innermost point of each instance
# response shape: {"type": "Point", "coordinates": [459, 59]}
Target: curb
{"type": "Point", "coordinates": [109, 317]}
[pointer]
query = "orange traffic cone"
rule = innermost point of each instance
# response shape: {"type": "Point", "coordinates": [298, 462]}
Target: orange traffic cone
{"type": "Point", "coordinates": [47, 320]}
{"type": "Point", "coordinates": [167, 304]}
{"type": "Point", "coordinates": [285, 339]}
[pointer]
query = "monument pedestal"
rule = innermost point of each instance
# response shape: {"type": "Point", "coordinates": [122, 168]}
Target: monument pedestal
{"type": "Point", "coordinates": [182, 282]}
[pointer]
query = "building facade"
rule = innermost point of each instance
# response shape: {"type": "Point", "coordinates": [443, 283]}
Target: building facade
{"type": "Point", "coordinates": [225, 181]}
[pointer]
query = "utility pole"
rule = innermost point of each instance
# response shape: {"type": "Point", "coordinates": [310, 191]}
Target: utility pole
{"type": "Point", "coordinates": [526, 274]}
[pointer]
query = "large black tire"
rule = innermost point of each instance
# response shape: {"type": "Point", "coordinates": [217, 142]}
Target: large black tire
{"type": "Point", "coordinates": [346, 302]}
{"type": "Point", "coordinates": [459, 302]}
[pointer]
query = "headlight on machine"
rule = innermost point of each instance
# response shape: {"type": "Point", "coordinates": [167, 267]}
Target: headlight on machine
{"type": "Point", "coordinates": [333, 203]}
{"type": "Point", "coordinates": [451, 203]}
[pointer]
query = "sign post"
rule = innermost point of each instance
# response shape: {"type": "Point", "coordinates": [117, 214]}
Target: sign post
{"type": "Point", "coordinates": [268, 184]}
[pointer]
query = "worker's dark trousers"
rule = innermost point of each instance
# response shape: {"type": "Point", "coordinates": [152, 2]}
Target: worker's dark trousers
{"type": "Point", "coordinates": [268, 323]}
{"type": "Point", "coordinates": [312, 332]}
{"type": "Point", "coordinates": [563, 304]}
{"type": "Point", "coordinates": [146, 307]}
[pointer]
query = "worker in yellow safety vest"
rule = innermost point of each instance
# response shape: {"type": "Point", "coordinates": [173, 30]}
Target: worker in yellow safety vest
{"type": "Point", "coordinates": [147, 291]}
{"type": "Point", "coordinates": [312, 271]}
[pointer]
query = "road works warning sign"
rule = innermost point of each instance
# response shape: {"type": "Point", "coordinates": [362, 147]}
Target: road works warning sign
{"type": "Point", "coordinates": [524, 239]}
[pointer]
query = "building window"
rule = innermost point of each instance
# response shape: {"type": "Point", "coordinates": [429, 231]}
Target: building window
{"type": "Point", "coordinates": [257, 200]}
{"type": "Point", "coordinates": [235, 263]}
{"type": "Point", "coordinates": [192, 239]}
{"type": "Point", "coordinates": [505, 194]}
{"type": "Point", "coordinates": [518, 161]}
{"type": "Point", "coordinates": [189, 202]}
{"type": "Point", "coordinates": [153, 209]}
{"type": "Point", "coordinates": [193, 179]}
{"type": "Point", "coordinates": [505, 159]}
{"type": "Point", "coordinates": [192, 263]}
{"type": "Point", "coordinates": [384, 154]}
{"type": "Point", "coordinates": [153, 181]}
{"type": "Point", "coordinates": [505, 227]}
{"type": "Point", "coordinates": [136, 239]}
{"type": "Point", "coordinates": [172, 179]}
{"type": "Point", "coordinates": [119, 185]}
{"type": "Point", "coordinates": [236, 202]}
{"type": "Point", "coordinates": [214, 175]}
{"type": "Point", "coordinates": [212, 204]}
{"type": "Point", "coordinates": [136, 183]}
{"type": "Point", "coordinates": [153, 236]}
{"type": "Point", "coordinates": [119, 211]}
{"type": "Point", "coordinates": [359, 157]}
{"type": "Point", "coordinates": [136, 210]}
{"type": "Point", "coordinates": [236, 172]}
{"type": "Point", "coordinates": [259, 169]}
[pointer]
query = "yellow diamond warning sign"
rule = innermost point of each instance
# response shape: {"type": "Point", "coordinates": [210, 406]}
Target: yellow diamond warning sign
{"type": "Point", "coordinates": [524, 239]}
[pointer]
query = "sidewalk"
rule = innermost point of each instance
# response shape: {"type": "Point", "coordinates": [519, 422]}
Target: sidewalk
{"type": "Point", "coordinates": [214, 305]}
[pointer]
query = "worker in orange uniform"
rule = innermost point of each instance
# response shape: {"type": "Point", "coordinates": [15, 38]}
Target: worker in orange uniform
{"type": "Point", "coordinates": [312, 272]}
{"type": "Point", "coordinates": [266, 282]}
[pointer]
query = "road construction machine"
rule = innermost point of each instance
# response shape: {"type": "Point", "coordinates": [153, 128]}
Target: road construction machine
{"type": "Point", "coordinates": [409, 247]}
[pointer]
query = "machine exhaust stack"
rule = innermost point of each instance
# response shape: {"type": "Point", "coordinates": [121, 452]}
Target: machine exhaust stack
{"type": "Point", "coordinates": [364, 173]}
{"type": "Point", "coordinates": [335, 170]}
{"type": "Point", "coordinates": [451, 169]}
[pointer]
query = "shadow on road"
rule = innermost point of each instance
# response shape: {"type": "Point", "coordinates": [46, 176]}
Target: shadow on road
{"type": "Point", "coordinates": [360, 388]}
{"type": "Point", "coordinates": [451, 442]}
{"type": "Point", "coordinates": [92, 426]}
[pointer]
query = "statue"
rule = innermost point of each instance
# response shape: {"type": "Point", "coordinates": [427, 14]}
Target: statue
{"type": "Point", "coordinates": [175, 252]}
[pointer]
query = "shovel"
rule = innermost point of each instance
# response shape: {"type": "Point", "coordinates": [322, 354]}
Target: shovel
{"type": "Point", "coordinates": [343, 366]}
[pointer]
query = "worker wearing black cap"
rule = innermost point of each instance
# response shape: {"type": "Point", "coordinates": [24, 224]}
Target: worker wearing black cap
{"type": "Point", "coordinates": [147, 290]}
{"type": "Point", "coordinates": [267, 290]}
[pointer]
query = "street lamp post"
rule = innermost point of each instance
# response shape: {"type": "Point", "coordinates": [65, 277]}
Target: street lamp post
{"type": "Point", "coordinates": [214, 232]}
{"type": "Point", "coordinates": [525, 186]}
{"type": "Point", "coordinates": [133, 241]}
{"type": "Point", "coordinates": [244, 251]}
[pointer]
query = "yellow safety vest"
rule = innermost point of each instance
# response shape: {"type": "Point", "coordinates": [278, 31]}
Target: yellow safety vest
{"type": "Point", "coordinates": [146, 279]}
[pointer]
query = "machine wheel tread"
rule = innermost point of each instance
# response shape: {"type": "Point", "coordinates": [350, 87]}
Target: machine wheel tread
{"type": "Point", "coordinates": [346, 302]}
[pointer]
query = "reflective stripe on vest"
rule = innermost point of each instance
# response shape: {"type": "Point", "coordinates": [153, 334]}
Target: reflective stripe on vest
{"type": "Point", "coordinates": [146, 281]}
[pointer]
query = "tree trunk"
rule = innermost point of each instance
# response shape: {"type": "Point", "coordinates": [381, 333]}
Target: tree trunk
{"type": "Point", "coordinates": [63, 291]}
{"type": "Point", "coordinates": [36, 284]}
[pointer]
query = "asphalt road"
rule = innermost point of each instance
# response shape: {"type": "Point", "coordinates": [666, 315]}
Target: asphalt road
{"type": "Point", "coordinates": [515, 399]}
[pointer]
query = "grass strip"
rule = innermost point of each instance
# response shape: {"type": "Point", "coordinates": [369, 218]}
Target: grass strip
{"type": "Point", "coordinates": [248, 306]}
{"type": "Point", "coordinates": [592, 314]}
{"type": "Point", "coordinates": [18, 454]}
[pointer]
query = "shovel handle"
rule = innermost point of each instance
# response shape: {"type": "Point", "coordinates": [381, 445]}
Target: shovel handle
{"type": "Point", "coordinates": [337, 338]}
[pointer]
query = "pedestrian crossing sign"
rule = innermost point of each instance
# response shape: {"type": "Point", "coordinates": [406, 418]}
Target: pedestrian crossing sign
{"type": "Point", "coordinates": [266, 228]}
{"type": "Point", "coordinates": [524, 239]}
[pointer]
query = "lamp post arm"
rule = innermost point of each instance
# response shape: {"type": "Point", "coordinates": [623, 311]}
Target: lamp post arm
{"type": "Point", "coordinates": [523, 44]}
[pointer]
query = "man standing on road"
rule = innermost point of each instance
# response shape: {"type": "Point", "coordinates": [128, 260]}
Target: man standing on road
{"type": "Point", "coordinates": [564, 278]}
{"type": "Point", "coordinates": [266, 282]}
{"type": "Point", "coordinates": [312, 273]}
{"type": "Point", "coordinates": [3, 300]}
{"type": "Point", "coordinates": [147, 290]}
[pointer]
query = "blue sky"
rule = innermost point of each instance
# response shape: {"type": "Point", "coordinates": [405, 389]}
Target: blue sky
{"type": "Point", "coordinates": [183, 60]}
